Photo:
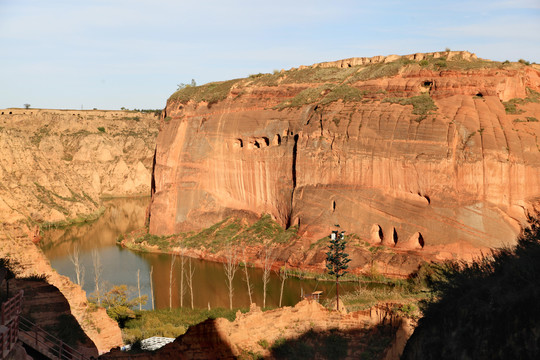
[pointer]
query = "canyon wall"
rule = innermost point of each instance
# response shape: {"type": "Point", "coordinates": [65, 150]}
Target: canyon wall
{"type": "Point", "coordinates": [438, 150]}
{"type": "Point", "coordinates": [55, 166]}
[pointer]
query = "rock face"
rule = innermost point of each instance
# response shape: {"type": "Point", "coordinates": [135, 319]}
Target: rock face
{"type": "Point", "coordinates": [412, 152]}
{"type": "Point", "coordinates": [56, 164]}
{"type": "Point", "coordinates": [98, 326]}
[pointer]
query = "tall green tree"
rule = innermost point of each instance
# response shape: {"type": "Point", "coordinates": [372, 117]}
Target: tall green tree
{"type": "Point", "coordinates": [337, 259]}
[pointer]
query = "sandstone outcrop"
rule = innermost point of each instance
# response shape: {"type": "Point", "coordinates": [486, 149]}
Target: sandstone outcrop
{"type": "Point", "coordinates": [57, 164]}
{"type": "Point", "coordinates": [427, 152]}
{"type": "Point", "coordinates": [256, 332]}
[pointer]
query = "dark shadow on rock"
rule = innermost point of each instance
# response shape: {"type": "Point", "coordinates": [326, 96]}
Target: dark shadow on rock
{"type": "Point", "coordinates": [367, 343]}
{"type": "Point", "coordinates": [44, 305]}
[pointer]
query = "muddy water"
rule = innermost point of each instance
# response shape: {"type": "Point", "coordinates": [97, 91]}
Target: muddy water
{"type": "Point", "coordinates": [120, 266]}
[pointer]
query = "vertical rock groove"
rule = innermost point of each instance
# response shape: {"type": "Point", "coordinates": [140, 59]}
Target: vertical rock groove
{"type": "Point", "coordinates": [293, 170]}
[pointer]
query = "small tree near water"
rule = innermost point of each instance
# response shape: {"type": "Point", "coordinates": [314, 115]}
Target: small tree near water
{"type": "Point", "coordinates": [337, 259]}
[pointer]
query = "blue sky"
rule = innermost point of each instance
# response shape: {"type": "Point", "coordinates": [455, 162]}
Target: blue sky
{"type": "Point", "coordinates": [118, 53]}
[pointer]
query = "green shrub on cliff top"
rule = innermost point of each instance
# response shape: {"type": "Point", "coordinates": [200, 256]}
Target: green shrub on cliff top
{"type": "Point", "coordinates": [211, 93]}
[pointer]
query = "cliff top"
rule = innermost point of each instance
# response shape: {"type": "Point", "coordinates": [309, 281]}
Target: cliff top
{"type": "Point", "coordinates": [347, 72]}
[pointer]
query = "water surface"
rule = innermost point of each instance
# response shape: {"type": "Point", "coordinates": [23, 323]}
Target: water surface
{"type": "Point", "coordinates": [120, 266]}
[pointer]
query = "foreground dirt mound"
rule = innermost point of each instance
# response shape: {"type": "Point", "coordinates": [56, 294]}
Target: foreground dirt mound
{"type": "Point", "coordinates": [275, 334]}
{"type": "Point", "coordinates": [423, 152]}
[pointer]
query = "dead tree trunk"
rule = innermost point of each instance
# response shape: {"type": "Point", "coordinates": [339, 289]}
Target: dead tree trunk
{"type": "Point", "coordinates": [246, 276]}
{"type": "Point", "coordinates": [230, 265]}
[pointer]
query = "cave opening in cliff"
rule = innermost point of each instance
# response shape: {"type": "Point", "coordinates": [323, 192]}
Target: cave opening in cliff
{"type": "Point", "coordinates": [480, 95]}
{"type": "Point", "coordinates": [395, 237]}
{"type": "Point", "coordinates": [256, 144]}
{"type": "Point", "coordinates": [276, 140]}
{"type": "Point", "coordinates": [239, 143]}
{"type": "Point", "coordinates": [425, 197]}
{"type": "Point", "coordinates": [266, 140]}
{"type": "Point", "coordinates": [420, 240]}
{"type": "Point", "coordinates": [428, 83]}
{"type": "Point", "coordinates": [333, 205]}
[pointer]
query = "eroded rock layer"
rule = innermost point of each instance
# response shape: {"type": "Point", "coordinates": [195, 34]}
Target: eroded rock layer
{"type": "Point", "coordinates": [411, 152]}
{"type": "Point", "coordinates": [57, 164]}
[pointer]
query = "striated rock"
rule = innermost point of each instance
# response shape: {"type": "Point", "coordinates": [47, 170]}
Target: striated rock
{"type": "Point", "coordinates": [56, 164]}
{"type": "Point", "coordinates": [413, 152]}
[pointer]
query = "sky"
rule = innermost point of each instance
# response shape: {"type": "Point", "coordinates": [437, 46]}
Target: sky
{"type": "Point", "coordinates": [75, 54]}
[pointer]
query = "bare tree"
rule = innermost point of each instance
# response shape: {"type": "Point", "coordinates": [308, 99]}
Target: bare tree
{"type": "Point", "coordinates": [268, 261]}
{"type": "Point", "coordinates": [246, 276]}
{"type": "Point", "coordinates": [182, 264]}
{"type": "Point", "coordinates": [283, 274]}
{"type": "Point", "coordinates": [230, 265]}
{"type": "Point", "coordinates": [139, 287]}
{"type": "Point", "coordinates": [189, 279]}
{"type": "Point", "coordinates": [152, 286]}
{"type": "Point", "coordinates": [96, 260]}
{"type": "Point", "coordinates": [173, 260]}
{"type": "Point", "coordinates": [76, 260]}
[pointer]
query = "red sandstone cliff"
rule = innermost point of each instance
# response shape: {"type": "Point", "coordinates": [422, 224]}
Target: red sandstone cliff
{"type": "Point", "coordinates": [413, 152]}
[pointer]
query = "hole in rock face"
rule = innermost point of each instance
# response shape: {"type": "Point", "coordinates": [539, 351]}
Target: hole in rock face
{"type": "Point", "coordinates": [266, 141]}
{"type": "Point", "coordinates": [479, 95]}
{"type": "Point", "coordinates": [428, 83]}
{"type": "Point", "coordinates": [420, 240]}
{"type": "Point", "coordinates": [256, 144]}
{"type": "Point", "coordinates": [180, 107]}
{"type": "Point", "coordinates": [428, 199]}
{"type": "Point", "coordinates": [395, 237]}
{"type": "Point", "coordinates": [276, 140]}
{"type": "Point", "coordinates": [239, 143]}
{"type": "Point", "coordinates": [333, 206]}
{"type": "Point", "coordinates": [377, 235]}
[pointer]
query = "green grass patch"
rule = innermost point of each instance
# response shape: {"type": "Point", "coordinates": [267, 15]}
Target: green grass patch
{"type": "Point", "coordinates": [211, 93]}
{"type": "Point", "coordinates": [170, 322]}
{"type": "Point", "coordinates": [266, 230]}
{"type": "Point", "coordinates": [162, 242]}
{"type": "Point", "coordinates": [381, 70]}
{"type": "Point", "coordinates": [230, 231]}
{"type": "Point", "coordinates": [79, 220]}
{"type": "Point", "coordinates": [345, 93]}
{"type": "Point", "coordinates": [423, 105]}
{"type": "Point", "coordinates": [305, 97]}
{"type": "Point", "coordinates": [512, 106]}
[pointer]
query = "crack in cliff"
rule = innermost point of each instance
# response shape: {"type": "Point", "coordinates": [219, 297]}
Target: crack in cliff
{"type": "Point", "coordinates": [293, 175]}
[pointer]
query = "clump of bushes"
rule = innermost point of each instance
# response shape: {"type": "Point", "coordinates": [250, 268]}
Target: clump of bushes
{"type": "Point", "coordinates": [487, 309]}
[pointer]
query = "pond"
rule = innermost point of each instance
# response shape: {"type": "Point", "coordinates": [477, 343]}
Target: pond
{"type": "Point", "coordinates": [120, 266]}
